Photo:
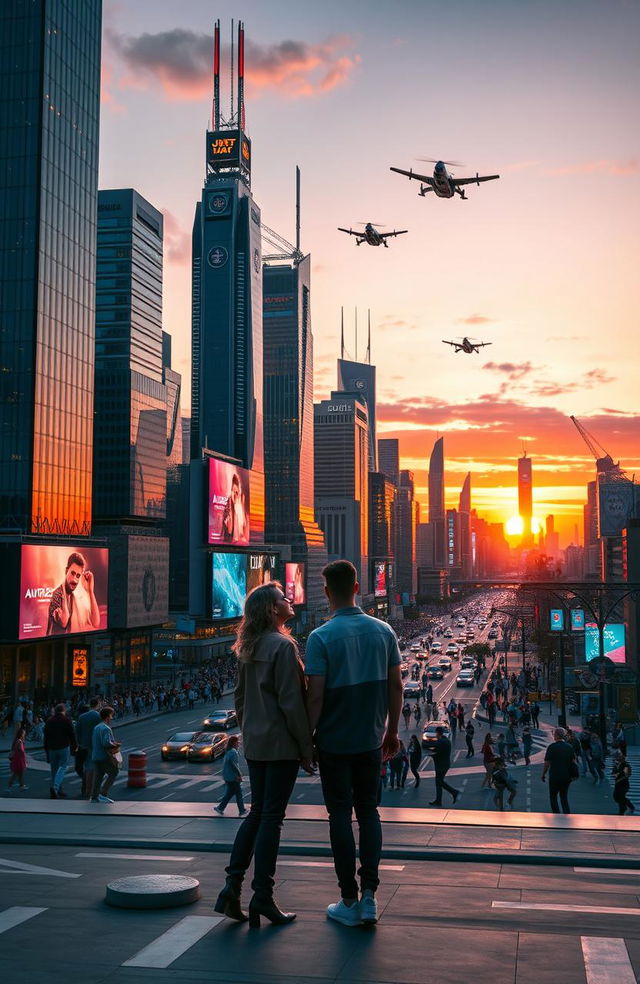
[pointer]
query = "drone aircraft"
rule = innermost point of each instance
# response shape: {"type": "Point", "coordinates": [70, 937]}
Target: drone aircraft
{"type": "Point", "coordinates": [371, 236]}
{"type": "Point", "coordinates": [467, 346]}
{"type": "Point", "coordinates": [444, 184]}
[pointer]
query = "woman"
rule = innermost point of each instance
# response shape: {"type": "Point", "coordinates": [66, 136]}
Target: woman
{"type": "Point", "coordinates": [621, 772]}
{"type": "Point", "coordinates": [18, 759]}
{"type": "Point", "coordinates": [488, 760]}
{"type": "Point", "coordinates": [460, 716]}
{"type": "Point", "coordinates": [270, 704]}
{"type": "Point", "coordinates": [619, 739]}
{"type": "Point", "coordinates": [415, 757]}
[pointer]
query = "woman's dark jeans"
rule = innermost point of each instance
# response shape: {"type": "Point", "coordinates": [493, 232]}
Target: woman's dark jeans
{"type": "Point", "coordinates": [271, 787]}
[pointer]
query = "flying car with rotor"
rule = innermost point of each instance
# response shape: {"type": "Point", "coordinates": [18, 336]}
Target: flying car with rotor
{"type": "Point", "coordinates": [442, 182]}
{"type": "Point", "coordinates": [372, 236]}
{"type": "Point", "coordinates": [466, 345]}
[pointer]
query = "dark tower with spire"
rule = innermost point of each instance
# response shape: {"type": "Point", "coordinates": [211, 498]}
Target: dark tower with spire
{"type": "Point", "coordinates": [360, 378]}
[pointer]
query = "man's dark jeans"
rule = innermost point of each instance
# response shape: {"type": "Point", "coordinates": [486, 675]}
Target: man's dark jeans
{"type": "Point", "coordinates": [561, 788]}
{"type": "Point", "coordinates": [271, 787]}
{"type": "Point", "coordinates": [441, 784]}
{"type": "Point", "coordinates": [350, 783]}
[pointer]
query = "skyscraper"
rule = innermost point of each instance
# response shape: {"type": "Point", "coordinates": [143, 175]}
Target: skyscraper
{"type": "Point", "coordinates": [525, 498]}
{"type": "Point", "coordinates": [341, 444]}
{"type": "Point", "coordinates": [436, 503]}
{"type": "Point", "coordinates": [226, 401]}
{"type": "Point", "coordinates": [389, 458]}
{"type": "Point", "coordinates": [50, 84]}
{"type": "Point", "coordinates": [288, 419]}
{"type": "Point", "coordinates": [407, 519]}
{"type": "Point", "coordinates": [464, 521]}
{"type": "Point", "coordinates": [360, 377]}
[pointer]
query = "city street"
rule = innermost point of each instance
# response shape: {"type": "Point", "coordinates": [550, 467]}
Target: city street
{"type": "Point", "coordinates": [481, 922]}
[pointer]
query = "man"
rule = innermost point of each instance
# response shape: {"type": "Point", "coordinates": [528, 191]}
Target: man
{"type": "Point", "coordinates": [469, 733]}
{"type": "Point", "coordinates": [233, 779]}
{"type": "Point", "coordinates": [354, 704]}
{"type": "Point", "coordinates": [59, 744]}
{"type": "Point", "coordinates": [85, 726]}
{"type": "Point", "coordinates": [103, 750]}
{"type": "Point", "coordinates": [442, 764]}
{"type": "Point", "coordinates": [71, 610]}
{"type": "Point", "coordinates": [558, 762]}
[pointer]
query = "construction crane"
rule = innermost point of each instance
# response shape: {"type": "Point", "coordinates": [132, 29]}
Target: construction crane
{"type": "Point", "coordinates": [605, 465]}
{"type": "Point", "coordinates": [288, 250]}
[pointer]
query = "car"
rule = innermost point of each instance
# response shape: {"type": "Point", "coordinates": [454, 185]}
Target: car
{"type": "Point", "coordinates": [412, 689]}
{"type": "Point", "coordinates": [465, 678]}
{"type": "Point", "coordinates": [444, 663]}
{"type": "Point", "coordinates": [208, 746]}
{"type": "Point", "coordinates": [415, 648]}
{"type": "Point", "coordinates": [493, 634]}
{"type": "Point", "coordinates": [220, 721]}
{"type": "Point", "coordinates": [468, 663]}
{"type": "Point", "coordinates": [436, 647]}
{"type": "Point", "coordinates": [435, 672]}
{"type": "Point", "coordinates": [177, 745]}
{"type": "Point", "coordinates": [429, 736]}
{"type": "Point", "coordinates": [451, 652]}
{"type": "Point", "coordinates": [448, 634]}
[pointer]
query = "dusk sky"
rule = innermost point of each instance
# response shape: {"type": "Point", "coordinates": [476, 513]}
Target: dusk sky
{"type": "Point", "coordinates": [542, 263]}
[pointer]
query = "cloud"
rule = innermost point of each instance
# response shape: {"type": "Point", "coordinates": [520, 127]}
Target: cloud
{"type": "Point", "coordinates": [589, 380]}
{"type": "Point", "coordinates": [181, 62]}
{"type": "Point", "coordinates": [598, 377]}
{"type": "Point", "coordinates": [603, 166]}
{"type": "Point", "coordinates": [475, 319]}
{"type": "Point", "coordinates": [514, 370]}
{"type": "Point", "coordinates": [177, 241]}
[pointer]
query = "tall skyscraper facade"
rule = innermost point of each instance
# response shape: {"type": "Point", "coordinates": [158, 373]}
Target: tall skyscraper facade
{"type": "Point", "coordinates": [407, 519]}
{"type": "Point", "coordinates": [341, 446]}
{"type": "Point", "coordinates": [135, 415]}
{"type": "Point", "coordinates": [49, 128]}
{"type": "Point", "coordinates": [464, 521]}
{"type": "Point", "coordinates": [389, 458]}
{"type": "Point", "coordinates": [525, 498]}
{"type": "Point", "coordinates": [360, 378]}
{"type": "Point", "coordinates": [227, 355]}
{"type": "Point", "coordinates": [436, 503]}
{"type": "Point", "coordinates": [288, 421]}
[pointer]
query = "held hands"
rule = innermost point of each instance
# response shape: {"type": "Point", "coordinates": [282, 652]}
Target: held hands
{"type": "Point", "coordinates": [308, 765]}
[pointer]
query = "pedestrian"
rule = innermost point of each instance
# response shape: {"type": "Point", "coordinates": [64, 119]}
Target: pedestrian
{"type": "Point", "coordinates": [511, 741]}
{"type": "Point", "coordinates": [406, 713]}
{"type": "Point", "coordinates": [85, 726]}
{"type": "Point", "coordinates": [469, 733]}
{"type": "Point", "coordinates": [460, 717]}
{"type": "Point", "coordinates": [503, 781]}
{"type": "Point", "coordinates": [560, 763]}
{"type": "Point", "coordinates": [619, 740]}
{"type": "Point", "coordinates": [396, 765]}
{"type": "Point", "coordinates": [597, 758]}
{"type": "Point", "coordinates": [415, 757]}
{"type": "Point", "coordinates": [535, 714]}
{"type": "Point", "coordinates": [18, 759]}
{"type": "Point", "coordinates": [105, 757]}
{"type": "Point", "coordinates": [276, 737]}
{"type": "Point", "coordinates": [429, 694]}
{"type": "Point", "coordinates": [355, 697]}
{"type": "Point", "coordinates": [526, 744]}
{"type": "Point", "coordinates": [621, 772]}
{"type": "Point", "coordinates": [488, 760]}
{"type": "Point", "coordinates": [405, 764]}
{"type": "Point", "coordinates": [232, 776]}
{"type": "Point", "coordinates": [442, 764]}
{"type": "Point", "coordinates": [59, 744]}
{"type": "Point", "coordinates": [417, 713]}
{"type": "Point", "coordinates": [384, 774]}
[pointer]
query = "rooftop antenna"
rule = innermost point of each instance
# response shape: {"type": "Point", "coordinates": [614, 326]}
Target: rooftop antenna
{"type": "Point", "coordinates": [356, 334]}
{"type": "Point", "coordinates": [368, 355]}
{"type": "Point", "coordinates": [216, 77]}
{"type": "Point", "coordinates": [241, 75]}
{"type": "Point", "coordinates": [231, 73]}
{"type": "Point", "coordinates": [297, 208]}
{"type": "Point", "coordinates": [342, 332]}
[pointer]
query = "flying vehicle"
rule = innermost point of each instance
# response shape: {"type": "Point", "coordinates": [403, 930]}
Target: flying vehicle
{"type": "Point", "coordinates": [371, 236]}
{"type": "Point", "coordinates": [466, 345]}
{"type": "Point", "coordinates": [441, 181]}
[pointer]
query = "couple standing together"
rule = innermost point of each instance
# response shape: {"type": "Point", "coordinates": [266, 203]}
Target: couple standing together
{"type": "Point", "coordinates": [340, 708]}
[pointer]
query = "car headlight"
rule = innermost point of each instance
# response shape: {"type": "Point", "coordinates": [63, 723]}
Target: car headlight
{"type": "Point", "coordinates": [165, 748]}
{"type": "Point", "coordinates": [185, 748]}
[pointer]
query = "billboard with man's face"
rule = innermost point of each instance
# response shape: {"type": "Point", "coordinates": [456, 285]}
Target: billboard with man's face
{"type": "Point", "coordinates": [229, 503]}
{"type": "Point", "coordinates": [63, 590]}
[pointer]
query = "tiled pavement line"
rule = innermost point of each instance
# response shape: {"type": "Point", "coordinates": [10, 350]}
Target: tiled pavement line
{"type": "Point", "coordinates": [166, 948]}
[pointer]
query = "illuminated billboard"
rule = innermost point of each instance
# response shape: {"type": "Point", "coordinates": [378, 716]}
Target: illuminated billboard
{"type": "Point", "coordinates": [229, 503]}
{"type": "Point", "coordinates": [228, 584]}
{"type": "Point", "coordinates": [228, 148]}
{"type": "Point", "coordinates": [262, 569]}
{"type": "Point", "coordinates": [63, 590]}
{"type": "Point", "coordinates": [615, 506]}
{"type": "Point", "coordinates": [380, 580]}
{"type": "Point", "coordinates": [294, 583]}
{"type": "Point", "coordinates": [614, 642]}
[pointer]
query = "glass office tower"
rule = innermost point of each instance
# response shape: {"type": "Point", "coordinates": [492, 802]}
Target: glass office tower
{"type": "Point", "coordinates": [49, 121]}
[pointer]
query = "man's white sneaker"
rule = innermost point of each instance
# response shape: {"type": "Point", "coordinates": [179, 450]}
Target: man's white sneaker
{"type": "Point", "coordinates": [348, 915]}
{"type": "Point", "coordinates": [368, 910]}
{"type": "Point", "coordinates": [105, 799]}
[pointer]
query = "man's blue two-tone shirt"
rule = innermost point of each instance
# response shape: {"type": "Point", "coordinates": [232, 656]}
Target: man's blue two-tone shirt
{"type": "Point", "coordinates": [353, 652]}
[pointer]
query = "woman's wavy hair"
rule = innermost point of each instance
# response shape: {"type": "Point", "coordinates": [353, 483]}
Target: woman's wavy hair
{"type": "Point", "coordinates": [257, 620]}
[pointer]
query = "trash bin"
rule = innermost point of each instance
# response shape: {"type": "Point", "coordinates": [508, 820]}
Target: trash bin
{"type": "Point", "coordinates": [137, 778]}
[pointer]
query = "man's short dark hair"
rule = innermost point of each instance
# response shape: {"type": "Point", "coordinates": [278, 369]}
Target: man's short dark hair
{"type": "Point", "coordinates": [439, 730]}
{"type": "Point", "coordinates": [341, 578]}
{"type": "Point", "coordinates": [77, 559]}
{"type": "Point", "coordinates": [60, 708]}
{"type": "Point", "coordinates": [94, 702]}
{"type": "Point", "coordinates": [105, 712]}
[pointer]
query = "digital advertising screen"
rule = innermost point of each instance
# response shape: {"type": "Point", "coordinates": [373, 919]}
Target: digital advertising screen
{"type": "Point", "coordinates": [262, 569]}
{"type": "Point", "coordinates": [228, 584]}
{"type": "Point", "coordinates": [577, 619]}
{"type": "Point", "coordinates": [229, 503]}
{"type": "Point", "coordinates": [380, 580]}
{"type": "Point", "coordinates": [294, 583]}
{"type": "Point", "coordinates": [614, 642]}
{"type": "Point", "coordinates": [556, 620]}
{"type": "Point", "coordinates": [63, 590]}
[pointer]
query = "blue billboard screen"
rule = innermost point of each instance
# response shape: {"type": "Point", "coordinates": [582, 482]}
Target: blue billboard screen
{"type": "Point", "coordinates": [228, 584]}
{"type": "Point", "coordinates": [556, 620]}
{"type": "Point", "coordinates": [614, 642]}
